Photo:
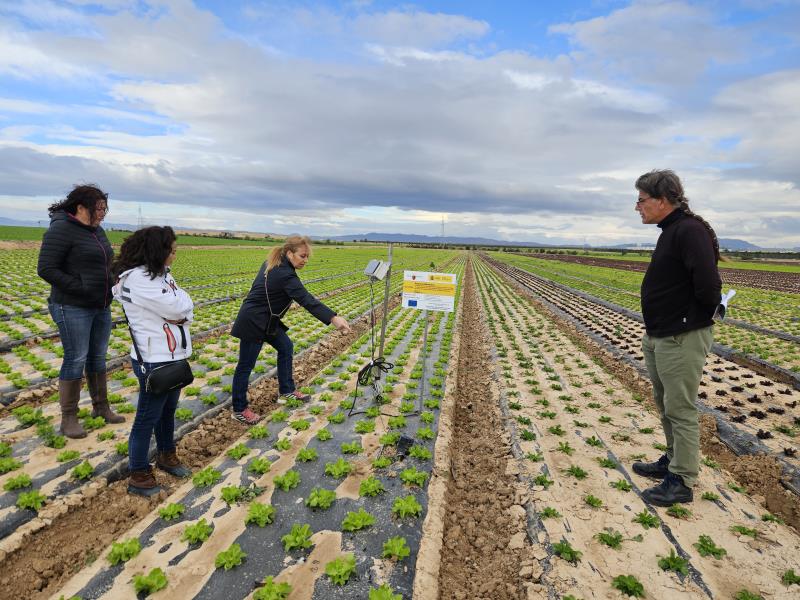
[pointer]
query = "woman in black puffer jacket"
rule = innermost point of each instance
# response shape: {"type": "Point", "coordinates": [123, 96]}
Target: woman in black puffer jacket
{"type": "Point", "coordinates": [75, 259]}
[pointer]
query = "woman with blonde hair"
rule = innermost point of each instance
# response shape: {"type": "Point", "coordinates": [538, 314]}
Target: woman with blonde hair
{"type": "Point", "coordinates": [274, 289]}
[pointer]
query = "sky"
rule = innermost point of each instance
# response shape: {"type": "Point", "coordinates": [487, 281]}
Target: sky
{"type": "Point", "coordinates": [514, 120]}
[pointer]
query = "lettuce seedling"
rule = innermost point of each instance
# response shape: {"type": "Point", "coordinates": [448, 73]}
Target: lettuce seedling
{"type": "Point", "coordinates": [339, 469]}
{"type": "Point", "coordinates": [706, 547]}
{"type": "Point", "coordinates": [790, 578]}
{"type": "Point", "coordinates": [673, 562]}
{"type": "Point", "coordinates": [351, 448]}
{"type": "Point", "coordinates": [543, 481]}
{"type": "Point", "coordinates": [5, 449]}
{"type": "Point", "coordinates": [622, 485]}
{"type": "Point", "coordinates": [320, 498]}
{"type": "Point", "coordinates": [396, 548]}
{"type": "Point", "coordinates": [607, 463]}
{"type": "Point", "coordinates": [258, 432]}
{"type": "Point", "coordinates": [354, 521]}
{"type": "Point", "coordinates": [105, 435]}
{"type": "Point", "coordinates": [272, 590]}
{"type": "Point", "coordinates": [283, 444]}
{"type": "Point", "coordinates": [206, 477]}
{"type": "Point", "coordinates": [340, 569]}
{"type": "Point", "coordinates": [610, 538]}
{"type": "Point", "coordinates": [171, 511]}
{"type": "Point", "coordinates": [68, 455]}
{"type": "Point", "coordinates": [564, 550]}
{"type": "Point", "coordinates": [742, 530]}
{"type": "Point", "coordinates": [124, 551]}
{"type": "Point", "coordinates": [383, 593]}
{"type": "Point", "coordinates": [300, 425]}
{"type": "Point", "coordinates": [152, 582]}
{"type": "Point", "coordinates": [33, 500]}
{"type": "Point", "coordinates": [121, 448]}
{"type": "Point", "coordinates": [307, 455]}
{"type": "Point", "coordinates": [287, 481]}
{"type": "Point", "coordinates": [365, 426]}
{"type": "Point", "coordinates": [593, 441]}
{"type": "Point", "coordinates": [382, 462]}
{"type": "Point", "coordinates": [238, 451]}
{"type": "Point", "coordinates": [406, 507]}
{"type": "Point", "coordinates": [548, 512]}
{"type": "Point", "coordinates": [593, 501]}
{"type": "Point", "coordinates": [259, 466]}
{"type": "Point", "coordinates": [397, 422]}
{"type": "Point", "coordinates": [230, 558]}
{"type": "Point", "coordinates": [323, 435]}
{"type": "Point", "coordinates": [371, 486]}
{"type": "Point", "coordinates": [298, 537]}
{"type": "Point", "coordinates": [425, 433]}
{"type": "Point", "coordinates": [389, 439]}
{"type": "Point", "coordinates": [197, 533]}
{"type": "Point", "coordinates": [420, 452]}
{"type": "Point", "coordinates": [18, 482]}
{"type": "Point", "coordinates": [83, 471]}
{"type": "Point", "coordinates": [576, 472]}
{"type": "Point", "coordinates": [9, 464]}
{"type": "Point", "coordinates": [412, 476]}
{"type": "Point", "coordinates": [646, 520]}
{"type": "Point", "coordinates": [336, 418]}
{"type": "Point", "coordinates": [278, 416]}
{"type": "Point", "coordinates": [679, 512]}
{"type": "Point", "coordinates": [628, 585]}
{"type": "Point", "coordinates": [260, 514]}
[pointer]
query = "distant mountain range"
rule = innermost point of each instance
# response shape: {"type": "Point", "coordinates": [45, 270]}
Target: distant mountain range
{"type": "Point", "coordinates": [725, 243]}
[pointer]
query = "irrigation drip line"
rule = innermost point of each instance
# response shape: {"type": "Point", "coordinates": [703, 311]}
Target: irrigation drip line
{"type": "Point", "coordinates": [741, 443]}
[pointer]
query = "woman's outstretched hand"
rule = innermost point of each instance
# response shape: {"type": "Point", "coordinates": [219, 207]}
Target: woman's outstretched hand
{"type": "Point", "coordinates": [341, 324]}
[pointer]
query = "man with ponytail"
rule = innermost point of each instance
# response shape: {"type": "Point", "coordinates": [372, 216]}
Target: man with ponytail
{"type": "Point", "coordinates": [259, 320]}
{"type": "Point", "coordinates": [680, 291]}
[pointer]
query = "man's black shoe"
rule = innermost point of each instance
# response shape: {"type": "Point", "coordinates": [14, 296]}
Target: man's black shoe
{"type": "Point", "coordinates": [668, 492]}
{"type": "Point", "coordinates": [656, 470]}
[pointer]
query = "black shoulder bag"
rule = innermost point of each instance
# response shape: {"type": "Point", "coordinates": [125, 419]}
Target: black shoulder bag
{"type": "Point", "coordinates": [165, 378]}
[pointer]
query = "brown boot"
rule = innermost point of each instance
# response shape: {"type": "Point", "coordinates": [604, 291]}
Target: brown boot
{"type": "Point", "coordinates": [168, 461]}
{"type": "Point", "coordinates": [69, 392]}
{"type": "Point", "coordinates": [143, 483]}
{"type": "Point", "coordinates": [98, 390]}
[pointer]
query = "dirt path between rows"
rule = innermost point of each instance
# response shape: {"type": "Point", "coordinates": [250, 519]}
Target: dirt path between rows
{"type": "Point", "coordinates": [486, 548]}
{"type": "Point", "coordinates": [91, 521]}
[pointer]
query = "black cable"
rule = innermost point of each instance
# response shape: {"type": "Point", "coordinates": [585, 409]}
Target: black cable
{"type": "Point", "coordinates": [366, 376]}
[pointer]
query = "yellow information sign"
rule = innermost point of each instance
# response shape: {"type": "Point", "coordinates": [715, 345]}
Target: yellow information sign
{"type": "Point", "coordinates": [429, 291]}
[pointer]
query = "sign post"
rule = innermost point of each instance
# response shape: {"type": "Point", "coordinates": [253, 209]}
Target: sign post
{"type": "Point", "coordinates": [426, 291]}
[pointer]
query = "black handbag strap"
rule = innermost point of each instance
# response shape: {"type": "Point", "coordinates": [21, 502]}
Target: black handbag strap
{"type": "Point", "coordinates": [266, 291]}
{"type": "Point", "coordinates": [133, 338]}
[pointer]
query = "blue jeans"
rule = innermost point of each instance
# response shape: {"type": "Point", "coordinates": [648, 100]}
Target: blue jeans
{"type": "Point", "coordinates": [248, 354]}
{"type": "Point", "coordinates": [154, 413]}
{"type": "Point", "coordinates": [84, 336]}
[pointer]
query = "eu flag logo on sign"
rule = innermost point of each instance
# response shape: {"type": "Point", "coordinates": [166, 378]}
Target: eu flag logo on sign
{"type": "Point", "coordinates": [412, 302]}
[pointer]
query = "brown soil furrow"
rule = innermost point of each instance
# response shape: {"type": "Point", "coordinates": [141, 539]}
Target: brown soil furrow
{"type": "Point", "coordinates": [486, 552]}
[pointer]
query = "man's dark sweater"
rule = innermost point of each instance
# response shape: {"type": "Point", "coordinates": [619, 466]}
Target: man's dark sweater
{"type": "Point", "coordinates": [682, 286]}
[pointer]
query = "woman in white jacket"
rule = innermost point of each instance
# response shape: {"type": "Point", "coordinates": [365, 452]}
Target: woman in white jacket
{"type": "Point", "coordinates": [159, 313]}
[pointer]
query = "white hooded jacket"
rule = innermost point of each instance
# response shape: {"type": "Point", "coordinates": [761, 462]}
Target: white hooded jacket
{"type": "Point", "coordinates": [149, 304]}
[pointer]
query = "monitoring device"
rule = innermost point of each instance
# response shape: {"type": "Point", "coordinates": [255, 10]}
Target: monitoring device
{"type": "Point", "coordinates": [376, 269]}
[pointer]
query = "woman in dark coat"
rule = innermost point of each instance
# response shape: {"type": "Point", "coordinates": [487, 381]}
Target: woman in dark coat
{"type": "Point", "coordinates": [75, 259]}
{"type": "Point", "coordinates": [272, 293]}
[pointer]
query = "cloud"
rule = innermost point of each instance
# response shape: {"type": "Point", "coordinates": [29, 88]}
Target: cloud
{"type": "Point", "coordinates": [400, 116]}
{"type": "Point", "coordinates": [662, 43]}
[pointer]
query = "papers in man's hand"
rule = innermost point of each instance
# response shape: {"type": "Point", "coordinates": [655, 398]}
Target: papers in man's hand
{"type": "Point", "coordinates": [719, 314]}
